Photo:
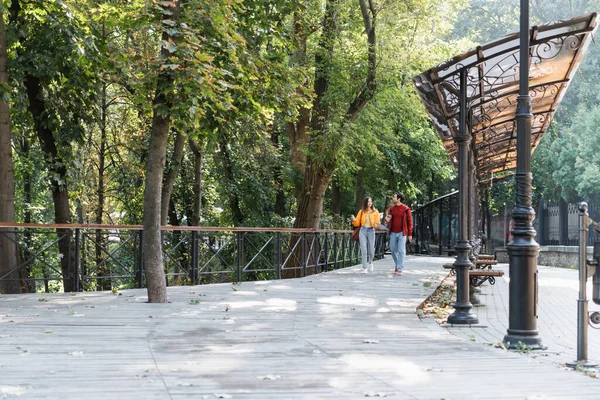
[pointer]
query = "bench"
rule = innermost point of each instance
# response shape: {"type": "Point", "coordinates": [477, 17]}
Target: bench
{"type": "Point", "coordinates": [486, 257]}
{"type": "Point", "coordinates": [478, 265]}
{"type": "Point", "coordinates": [477, 278]}
{"type": "Point", "coordinates": [483, 264]}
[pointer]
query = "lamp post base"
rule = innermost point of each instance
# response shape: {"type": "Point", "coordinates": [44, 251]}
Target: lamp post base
{"type": "Point", "coordinates": [517, 340]}
{"type": "Point", "coordinates": [581, 364]}
{"type": "Point", "coordinates": [462, 317]}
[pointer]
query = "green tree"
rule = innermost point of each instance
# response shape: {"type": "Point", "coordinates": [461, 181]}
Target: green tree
{"type": "Point", "coordinates": [8, 251]}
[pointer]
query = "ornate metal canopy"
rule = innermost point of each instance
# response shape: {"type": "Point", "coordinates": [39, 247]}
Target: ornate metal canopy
{"type": "Point", "coordinates": [492, 70]}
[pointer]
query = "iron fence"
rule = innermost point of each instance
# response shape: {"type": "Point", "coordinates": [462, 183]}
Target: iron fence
{"type": "Point", "coordinates": [436, 225]}
{"type": "Point", "coordinates": [107, 257]}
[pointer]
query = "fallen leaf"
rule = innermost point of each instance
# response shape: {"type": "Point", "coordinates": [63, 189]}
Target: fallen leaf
{"type": "Point", "coordinates": [269, 377]}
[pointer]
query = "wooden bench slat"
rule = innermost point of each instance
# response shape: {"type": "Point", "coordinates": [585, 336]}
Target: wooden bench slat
{"type": "Point", "coordinates": [486, 273]}
{"type": "Point", "coordinates": [486, 262]}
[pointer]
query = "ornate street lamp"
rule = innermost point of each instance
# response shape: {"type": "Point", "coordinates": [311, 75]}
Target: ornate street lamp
{"type": "Point", "coordinates": [523, 249]}
{"type": "Point", "coordinates": [462, 308]}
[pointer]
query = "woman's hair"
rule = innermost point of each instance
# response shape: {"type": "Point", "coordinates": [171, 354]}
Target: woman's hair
{"type": "Point", "coordinates": [400, 196]}
{"type": "Point", "coordinates": [366, 202]}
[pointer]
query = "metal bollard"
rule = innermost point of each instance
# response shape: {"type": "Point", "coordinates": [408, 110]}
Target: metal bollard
{"type": "Point", "coordinates": [596, 276]}
{"type": "Point", "coordinates": [582, 302]}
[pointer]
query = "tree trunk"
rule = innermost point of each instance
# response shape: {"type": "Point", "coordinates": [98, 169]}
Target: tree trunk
{"type": "Point", "coordinates": [103, 270]}
{"type": "Point", "coordinates": [234, 201]}
{"type": "Point", "coordinates": [278, 180]}
{"type": "Point", "coordinates": [336, 198]}
{"type": "Point", "coordinates": [318, 172]}
{"type": "Point", "coordinates": [310, 207]}
{"type": "Point", "coordinates": [9, 277]}
{"type": "Point", "coordinates": [27, 285]}
{"type": "Point", "coordinates": [360, 191]}
{"type": "Point", "coordinates": [152, 243]}
{"type": "Point", "coordinates": [197, 212]}
{"type": "Point", "coordinates": [58, 178]}
{"type": "Point", "coordinates": [297, 131]}
{"type": "Point", "coordinates": [169, 184]}
{"type": "Point", "coordinates": [56, 167]}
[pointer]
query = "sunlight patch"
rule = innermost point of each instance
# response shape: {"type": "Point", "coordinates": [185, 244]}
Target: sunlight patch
{"type": "Point", "coordinates": [348, 301]}
{"type": "Point", "coordinates": [229, 349]}
{"type": "Point", "coordinates": [279, 305]}
{"type": "Point", "coordinates": [12, 391]}
{"type": "Point", "coordinates": [406, 371]}
{"type": "Point", "coordinates": [244, 293]}
{"type": "Point", "coordinates": [393, 328]}
{"type": "Point", "coordinates": [554, 282]}
{"type": "Point", "coordinates": [280, 287]}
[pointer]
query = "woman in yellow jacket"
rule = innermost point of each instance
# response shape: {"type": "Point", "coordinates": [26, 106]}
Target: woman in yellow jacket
{"type": "Point", "coordinates": [367, 219]}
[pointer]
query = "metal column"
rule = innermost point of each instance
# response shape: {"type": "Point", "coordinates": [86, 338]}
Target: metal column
{"type": "Point", "coordinates": [523, 249]}
{"type": "Point", "coordinates": [462, 308]}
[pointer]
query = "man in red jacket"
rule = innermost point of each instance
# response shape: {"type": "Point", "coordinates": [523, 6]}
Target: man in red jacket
{"type": "Point", "coordinates": [399, 218]}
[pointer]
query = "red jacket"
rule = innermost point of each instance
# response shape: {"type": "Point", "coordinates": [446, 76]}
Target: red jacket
{"type": "Point", "coordinates": [401, 219]}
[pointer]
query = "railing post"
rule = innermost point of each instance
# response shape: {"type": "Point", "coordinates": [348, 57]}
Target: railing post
{"type": "Point", "coordinates": [440, 229]}
{"type": "Point", "coordinates": [563, 223]}
{"type": "Point", "coordinates": [326, 250]}
{"type": "Point", "coordinates": [335, 250]}
{"type": "Point", "coordinates": [541, 230]}
{"type": "Point", "coordinates": [195, 257]}
{"type": "Point", "coordinates": [140, 271]}
{"type": "Point", "coordinates": [356, 249]}
{"type": "Point", "coordinates": [317, 253]}
{"type": "Point", "coordinates": [343, 250]}
{"type": "Point", "coordinates": [76, 278]}
{"type": "Point", "coordinates": [582, 301]}
{"type": "Point", "coordinates": [83, 264]}
{"type": "Point", "coordinates": [277, 255]}
{"type": "Point", "coordinates": [304, 261]}
{"type": "Point", "coordinates": [449, 222]}
{"type": "Point", "coordinates": [240, 263]}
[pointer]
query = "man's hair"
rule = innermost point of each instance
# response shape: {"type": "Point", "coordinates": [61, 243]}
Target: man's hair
{"type": "Point", "coordinates": [400, 196]}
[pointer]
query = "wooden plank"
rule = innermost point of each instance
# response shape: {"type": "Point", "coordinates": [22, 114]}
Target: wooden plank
{"type": "Point", "coordinates": [486, 262]}
{"type": "Point", "coordinates": [337, 335]}
{"type": "Point", "coordinates": [486, 273]}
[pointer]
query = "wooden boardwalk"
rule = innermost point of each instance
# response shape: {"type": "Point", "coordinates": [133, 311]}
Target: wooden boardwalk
{"type": "Point", "coordinates": [338, 335]}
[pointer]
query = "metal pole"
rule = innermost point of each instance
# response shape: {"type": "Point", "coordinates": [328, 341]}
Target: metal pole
{"type": "Point", "coordinates": [195, 259]}
{"type": "Point", "coordinates": [240, 266]}
{"type": "Point", "coordinates": [278, 255]}
{"type": "Point", "coordinates": [462, 308]}
{"type": "Point", "coordinates": [582, 301]}
{"type": "Point", "coordinates": [76, 287]}
{"type": "Point", "coordinates": [523, 249]}
{"type": "Point", "coordinates": [441, 228]}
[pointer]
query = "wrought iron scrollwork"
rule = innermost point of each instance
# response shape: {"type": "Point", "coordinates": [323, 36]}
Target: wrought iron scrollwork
{"type": "Point", "coordinates": [480, 280]}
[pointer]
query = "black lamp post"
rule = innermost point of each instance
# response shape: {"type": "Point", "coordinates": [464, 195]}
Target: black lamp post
{"type": "Point", "coordinates": [523, 249]}
{"type": "Point", "coordinates": [462, 308]}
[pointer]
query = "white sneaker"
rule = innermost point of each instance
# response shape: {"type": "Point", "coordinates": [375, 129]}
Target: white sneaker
{"type": "Point", "coordinates": [371, 267]}
{"type": "Point", "coordinates": [365, 270]}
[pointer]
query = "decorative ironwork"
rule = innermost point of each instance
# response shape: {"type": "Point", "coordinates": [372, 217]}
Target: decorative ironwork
{"type": "Point", "coordinates": [492, 85]}
{"type": "Point", "coordinates": [110, 257]}
{"type": "Point", "coordinates": [480, 280]}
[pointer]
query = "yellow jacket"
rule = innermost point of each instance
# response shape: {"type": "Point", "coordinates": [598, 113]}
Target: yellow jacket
{"type": "Point", "coordinates": [361, 219]}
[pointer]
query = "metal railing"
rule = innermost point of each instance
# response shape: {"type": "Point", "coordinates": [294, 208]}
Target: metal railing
{"type": "Point", "coordinates": [104, 257]}
{"type": "Point", "coordinates": [435, 226]}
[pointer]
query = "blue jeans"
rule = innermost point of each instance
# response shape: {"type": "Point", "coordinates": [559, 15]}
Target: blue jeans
{"type": "Point", "coordinates": [398, 249]}
{"type": "Point", "coordinates": [367, 245]}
